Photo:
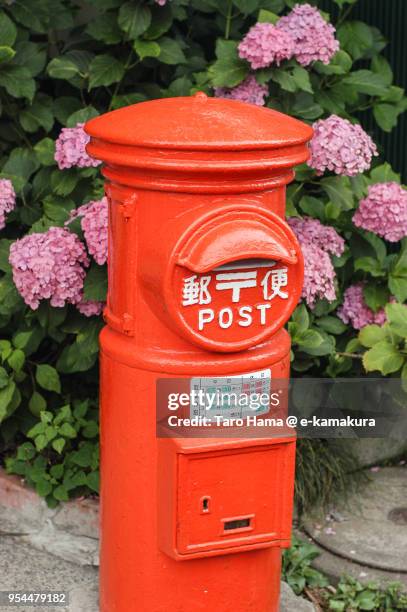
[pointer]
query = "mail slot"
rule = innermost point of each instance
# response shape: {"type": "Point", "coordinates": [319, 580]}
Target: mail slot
{"type": "Point", "coordinates": [203, 274]}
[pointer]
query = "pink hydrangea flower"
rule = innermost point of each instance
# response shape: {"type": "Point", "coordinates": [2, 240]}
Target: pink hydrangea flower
{"type": "Point", "coordinates": [384, 211]}
{"type": "Point", "coordinates": [94, 225]}
{"type": "Point", "coordinates": [265, 44]}
{"type": "Point", "coordinates": [314, 38]}
{"type": "Point", "coordinates": [317, 241]}
{"type": "Point", "coordinates": [7, 200]}
{"type": "Point", "coordinates": [90, 308]}
{"type": "Point", "coordinates": [161, 2]}
{"type": "Point", "coordinates": [70, 149]}
{"type": "Point", "coordinates": [248, 91]}
{"type": "Point", "coordinates": [354, 310]}
{"type": "Point", "coordinates": [49, 266]}
{"type": "Point", "coordinates": [341, 147]}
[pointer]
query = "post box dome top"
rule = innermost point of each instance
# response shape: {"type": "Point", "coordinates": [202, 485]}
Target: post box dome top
{"type": "Point", "coordinates": [198, 123]}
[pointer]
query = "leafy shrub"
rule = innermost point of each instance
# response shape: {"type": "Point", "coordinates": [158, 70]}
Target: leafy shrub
{"type": "Point", "coordinates": [63, 62]}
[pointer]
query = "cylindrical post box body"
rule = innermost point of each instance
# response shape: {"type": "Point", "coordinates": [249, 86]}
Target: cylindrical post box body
{"type": "Point", "coordinates": [203, 274]}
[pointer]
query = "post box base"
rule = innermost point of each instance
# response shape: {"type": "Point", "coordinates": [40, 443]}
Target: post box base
{"type": "Point", "coordinates": [136, 575]}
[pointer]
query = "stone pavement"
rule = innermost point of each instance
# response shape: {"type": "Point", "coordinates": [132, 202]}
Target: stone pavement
{"type": "Point", "coordinates": [366, 537]}
{"type": "Point", "coordinates": [25, 568]}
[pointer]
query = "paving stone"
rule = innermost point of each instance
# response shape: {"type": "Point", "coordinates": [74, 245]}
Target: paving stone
{"type": "Point", "coordinates": [290, 602]}
{"type": "Point", "coordinates": [367, 536]}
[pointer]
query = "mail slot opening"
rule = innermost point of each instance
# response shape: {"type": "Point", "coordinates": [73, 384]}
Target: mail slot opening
{"type": "Point", "coordinates": [236, 524]}
{"type": "Point", "coordinates": [205, 504]}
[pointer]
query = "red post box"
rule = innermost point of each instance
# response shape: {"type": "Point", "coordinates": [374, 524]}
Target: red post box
{"type": "Point", "coordinates": [203, 274]}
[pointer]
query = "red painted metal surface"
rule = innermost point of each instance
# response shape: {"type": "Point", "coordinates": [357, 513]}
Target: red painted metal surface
{"type": "Point", "coordinates": [203, 274]}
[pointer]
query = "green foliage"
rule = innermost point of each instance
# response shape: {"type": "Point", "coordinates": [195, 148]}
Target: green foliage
{"type": "Point", "coordinates": [353, 595]}
{"type": "Point", "coordinates": [350, 595]}
{"type": "Point", "coordinates": [63, 62]}
{"type": "Point", "coordinates": [296, 567]}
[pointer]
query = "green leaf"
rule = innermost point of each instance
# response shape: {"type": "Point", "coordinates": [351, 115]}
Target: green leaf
{"type": "Point", "coordinates": [43, 487]}
{"type": "Point", "coordinates": [95, 285]}
{"type": "Point", "coordinates": [371, 335]}
{"type": "Point", "coordinates": [267, 17]}
{"type": "Point", "coordinates": [105, 70]}
{"type": "Point", "coordinates": [134, 18]}
{"type": "Point", "coordinates": [331, 324]}
{"type": "Point", "coordinates": [4, 254]}
{"type": "Point", "coordinates": [45, 151]}
{"type": "Point", "coordinates": [17, 81]}
{"type": "Point", "coordinates": [300, 317]}
{"type": "Point", "coordinates": [375, 296]}
{"type": "Point", "coordinates": [397, 318]}
{"type": "Point", "coordinates": [369, 264]}
{"type": "Point", "coordinates": [309, 339]}
{"type": "Point", "coordinates": [62, 68]}
{"type": "Point", "coordinates": [145, 48]}
{"type": "Point", "coordinates": [26, 451]}
{"type": "Point", "coordinates": [386, 116]}
{"type": "Point", "coordinates": [4, 378]}
{"type": "Point", "coordinates": [228, 70]}
{"type": "Point", "coordinates": [8, 31]}
{"type": "Point", "coordinates": [81, 116]}
{"type": "Point", "coordinates": [313, 207]}
{"type": "Point", "coordinates": [356, 38]}
{"type": "Point", "coordinates": [383, 357]}
{"type": "Point", "coordinates": [63, 183]}
{"type": "Point", "coordinates": [92, 480]}
{"type": "Point", "coordinates": [58, 445]}
{"type": "Point", "coordinates": [31, 56]}
{"type": "Point", "coordinates": [105, 28]}
{"type": "Point", "coordinates": [384, 173]}
{"type": "Point", "coordinates": [60, 493]}
{"type": "Point", "coordinates": [6, 53]}
{"type": "Point", "coordinates": [302, 79]}
{"type": "Point", "coordinates": [170, 51]}
{"type": "Point", "coordinates": [37, 403]}
{"type": "Point", "coordinates": [6, 397]}
{"type": "Point", "coordinates": [398, 287]}
{"type": "Point", "coordinates": [341, 63]}
{"type": "Point", "coordinates": [58, 209]}
{"type": "Point", "coordinates": [84, 456]}
{"type": "Point", "coordinates": [21, 162]}
{"type": "Point", "coordinates": [366, 82]}
{"type": "Point", "coordinates": [48, 378]}
{"type": "Point", "coordinates": [16, 360]}
{"type": "Point", "coordinates": [382, 67]}
{"type": "Point", "coordinates": [67, 431]}
{"type": "Point", "coordinates": [161, 21]}
{"type": "Point", "coordinates": [246, 6]}
{"type": "Point", "coordinates": [38, 115]}
{"type": "Point", "coordinates": [339, 191]}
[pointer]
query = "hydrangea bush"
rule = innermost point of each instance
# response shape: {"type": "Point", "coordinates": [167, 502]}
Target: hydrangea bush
{"type": "Point", "coordinates": [63, 62]}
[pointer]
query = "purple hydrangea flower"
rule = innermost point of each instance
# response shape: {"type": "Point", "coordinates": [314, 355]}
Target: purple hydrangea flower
{"type": "Point", "coordinates": [354, 310]}
{"type": "Point", "coordinates": [384, 211]}
{"type": "Point", "coordinates": [248, 91]}
{"type": "Point", "coordinates": [49, 266]}
{"type": "Point", "coordinates": [70, 149]}
{"type": "Point", "coordinates": [94, 225]}
{"type": "Point", "coordinates": [317, 241]}
{"type": "Point", "coordinates": [341, 147]}
{"type": "Point", "coordinates": [265, 44]}
{"type": "Point", "coordinates": [314, 38]}
{"type": "Point", "coordinates": [7, 200]}
{"type": "Point", "coordinates": [90, 308]}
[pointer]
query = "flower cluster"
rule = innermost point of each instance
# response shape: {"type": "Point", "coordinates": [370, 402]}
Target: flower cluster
{"type": "Point", "coordinates": [248, 91]}
{"type": "Point", "coordinates": [265, 44]}
{"type": "Point", "coordinates": [161, 2]}
{"type": "Point", "coordinates": [354, 310]}
{"type": "Point", "coordinates": [70, 149]}
{"type": "Point", "coordinates": [314, 38]}
{"type": "Point", "coordinates": [317, 241]}
{"type": "Point", "coordinates": [341, 147]}
{"type": "Point", "coordinates": [303, 33]}
{"type": "Point", "coordinates": [7, 200]}
{"type": "Point", "coordinates": [49, 266]}
{"type": "Point", "coordinates": [384, 211]}
{"type": "Point", "coordinates": [94, 225]}
{"type": "Point", "coordinates": [89, 308]}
